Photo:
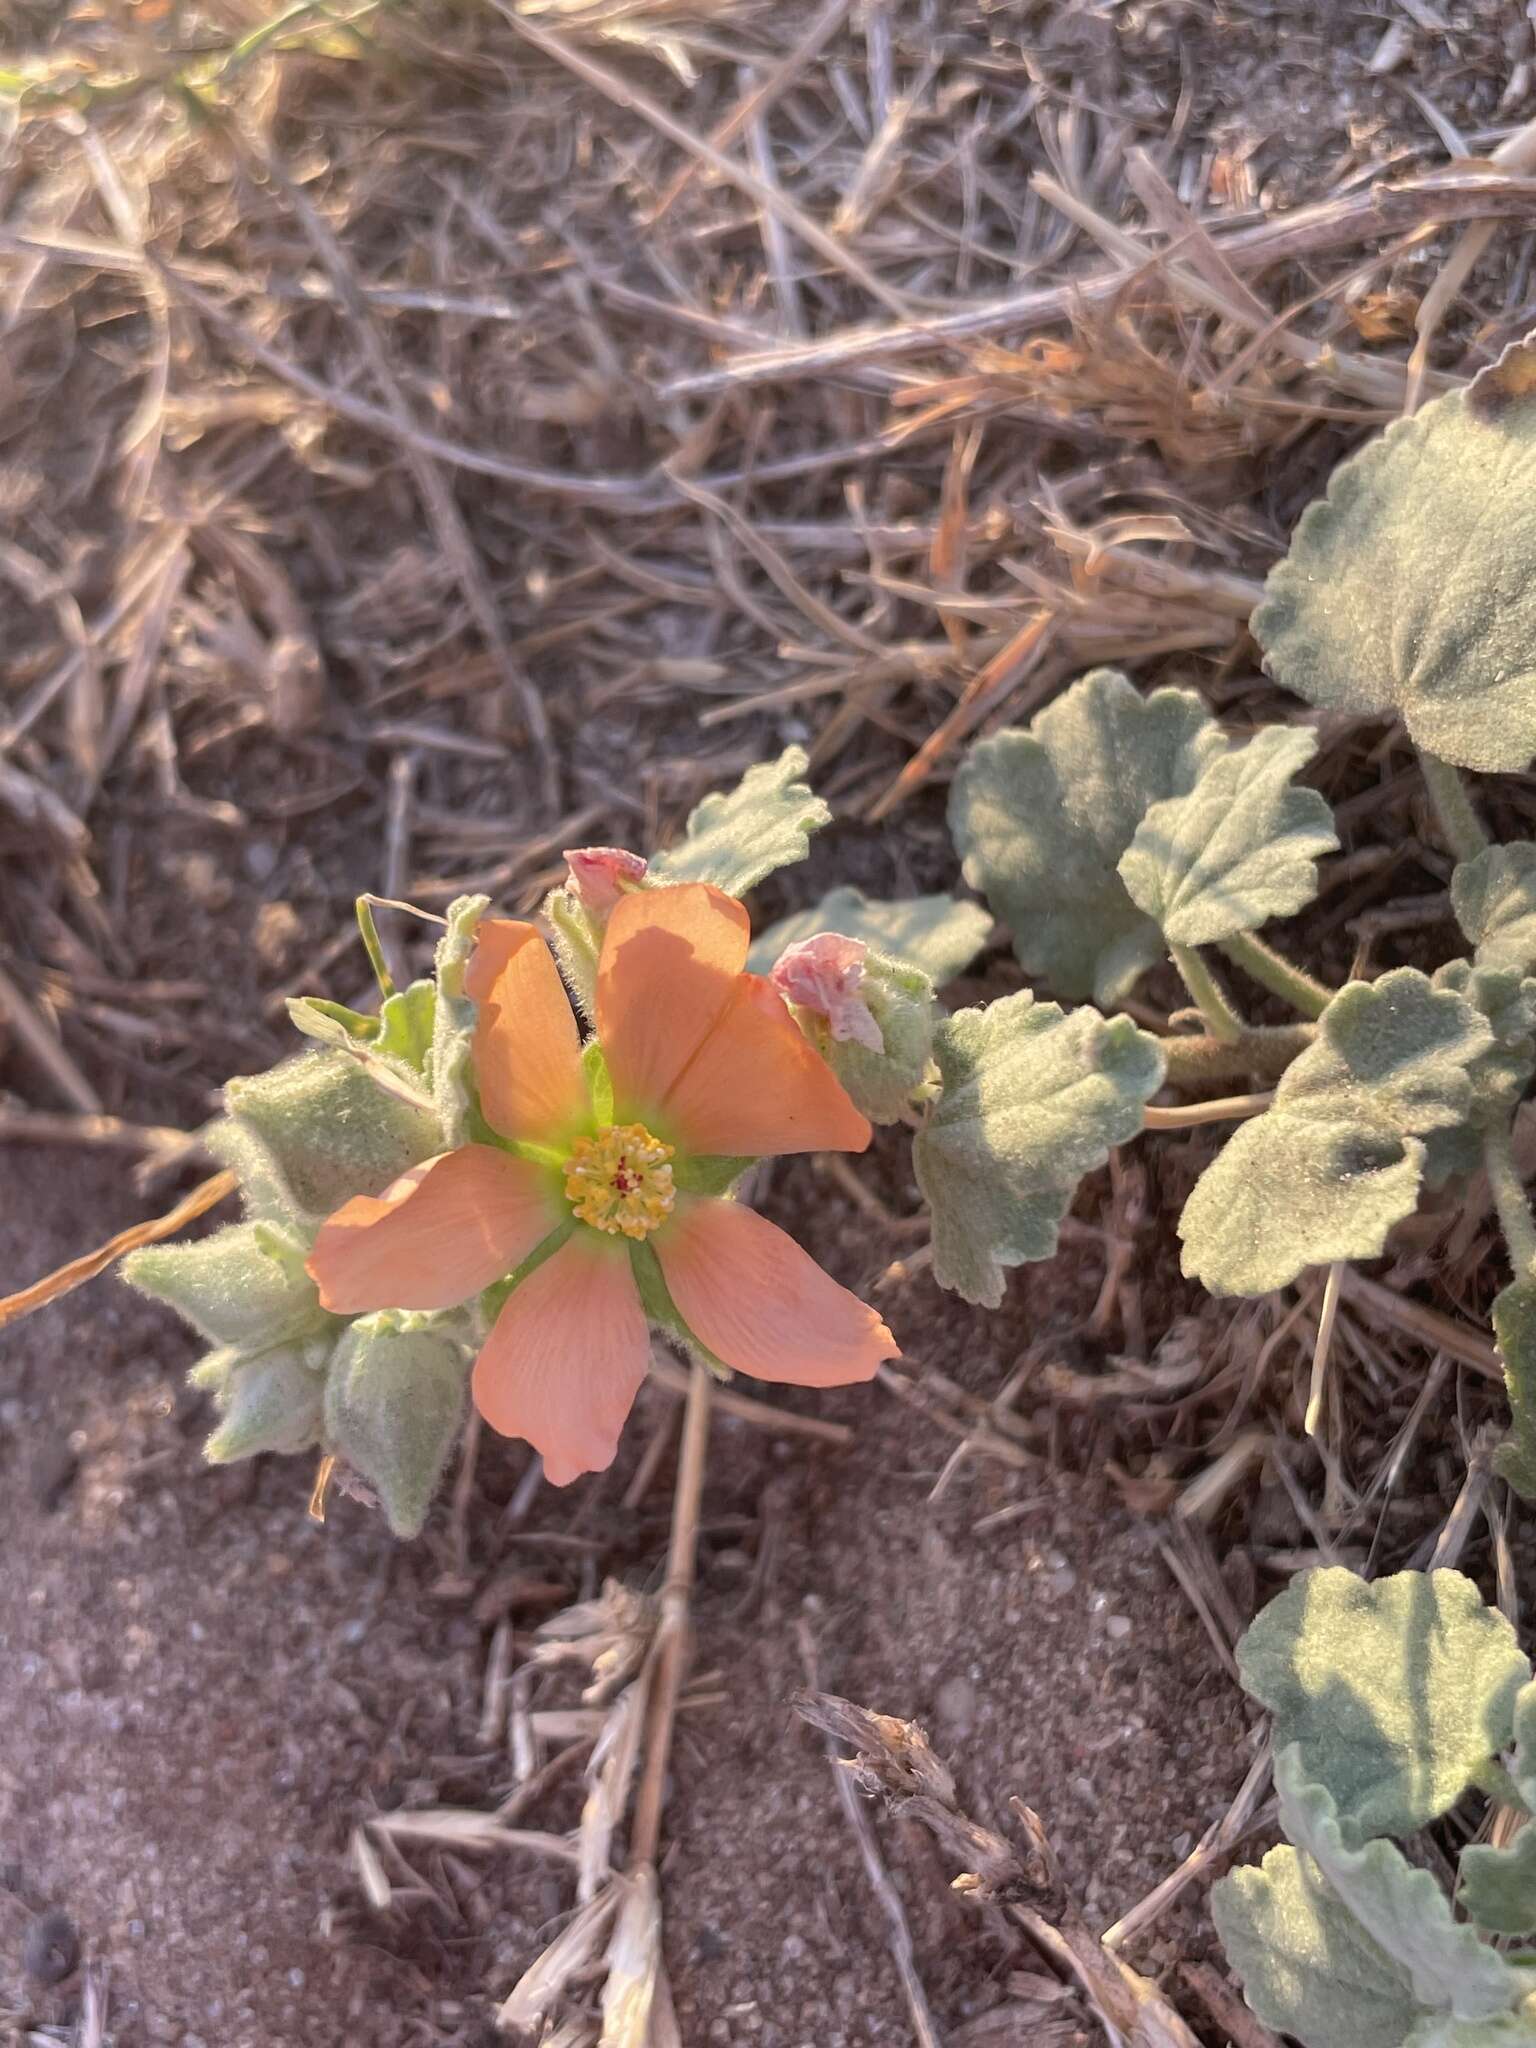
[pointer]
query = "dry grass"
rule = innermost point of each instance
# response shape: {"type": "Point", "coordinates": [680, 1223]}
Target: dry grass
{"type": "Point", "coordinates": [434, 436]}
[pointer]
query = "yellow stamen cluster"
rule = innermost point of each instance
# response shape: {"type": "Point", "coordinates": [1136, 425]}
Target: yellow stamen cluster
{"type": "Point", "coordinates": [620, 1182]}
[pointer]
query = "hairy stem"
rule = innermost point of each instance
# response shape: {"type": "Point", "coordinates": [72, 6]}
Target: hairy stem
{"type": "Point", "coordinates": [1280, 976]}
{"type": "Point", "coordinates": [674, 1631]}
{"type": "Point", "coordinates": [1214, 1006]}
{"type": "Point", "coordinates": [1460, 824]}
{"type": "Point", "coordinates": [1510, 1199]}
{"type": "Point", "coordinates": [1264, 1053]}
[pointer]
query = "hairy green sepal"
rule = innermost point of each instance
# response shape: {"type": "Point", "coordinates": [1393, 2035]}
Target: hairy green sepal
{"type": "Point", "coordinates": [1411, 588]}
{"type": "Point", "coordinates": [1395, 1692]}
{"type": "Point", "coordinates": [1042, 819]}
{"type": "Point", "coordinates": [1032, 1099]}
{"type": "Point", "coordinates": [266, 1401]}
{"type": "Point", "coordinates": [453, 1029]}
{"type": "Point", "coordinates": [1339, 1156]}
{"type": "Point", "coordinates": [900, 999]}
{"type": "Point", "coordinates": [394, 1399]}
{"type": "Point", "coordinates": [331, 1126]}
{"type": "Point", "coordinates": [736, 837]}
{"type": "Point", "coordinates": [245, 1286]}
{"type": "Point", "coordinates": [939, 934]}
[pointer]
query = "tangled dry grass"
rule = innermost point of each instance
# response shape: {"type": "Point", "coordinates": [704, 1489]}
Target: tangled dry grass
{"type": "Point", "coordinates": [428, 434]}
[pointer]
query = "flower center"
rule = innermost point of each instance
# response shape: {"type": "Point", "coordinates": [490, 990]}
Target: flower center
{"type": "Point", "coordinates": [620, 1181]}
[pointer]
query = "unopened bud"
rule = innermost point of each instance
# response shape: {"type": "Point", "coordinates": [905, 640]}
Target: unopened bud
{"type": "Point", "coordinates": [394, 1398]}
{"type": "Point", "coordinates": [600, 875]}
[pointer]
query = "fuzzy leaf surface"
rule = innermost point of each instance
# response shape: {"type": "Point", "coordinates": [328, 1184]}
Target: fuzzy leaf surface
{"type": "Point", "coordinates": [1338, 1157]}
{"type": "Point", "coordinates": [940, 934]}
{"type": "Point", "coordinates": [1411, 588]}
{"type": "Point", "coordinates": [1393, 1692]}
{"type": "Point", "coordinates": [1400, 1906]}
{"type": "Point", "coordinates": [1308, 1967]}
{"type": "Point", "coordinates": [737, 836]}
{"type": "Point", "coordinates": [1506, 997]}
{"type": "Point", "coordinates": [1514, 1327]}
{"type": "Point", "coordinates": [1498, 1886]}
{"type": "Point", "coordinates": [451, 1069]}
{"type": "Point", "coordinates": [269, 1402]}
{"type": "Point", "coordinates": [333, 1128]}
{"type": "Point", "coordinates": [1507, 2030]}
{"type": "Point", "coordinates": [1494, 898]}
{"type": "Point", "coordinates": [1041, 819]}
{"type": "Point", "coordinates": [1033, 1098]}
{"type": "Point", "coordinates": [1240, 848]}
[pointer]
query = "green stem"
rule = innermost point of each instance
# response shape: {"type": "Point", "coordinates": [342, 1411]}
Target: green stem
{"type": "Point", "coordinates": [376, 960]}
{"type": "Point", "coordinates": [1280, 976]}
{"type": "Point", "coordinates": [1510, 1199]}
{"type": "Point", "coordinates": [1460, 824]}
{"type": "Point", "coordinates": [1214, 1007]}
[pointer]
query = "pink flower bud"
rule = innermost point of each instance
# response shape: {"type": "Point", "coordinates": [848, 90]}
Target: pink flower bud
{"type": "Point", "coordinates": [825, 975]}
{"type": "Point", "coordinates": [600, 875]}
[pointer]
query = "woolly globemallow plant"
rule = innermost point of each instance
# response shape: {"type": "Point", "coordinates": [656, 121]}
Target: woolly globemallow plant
{"type": "Point", "coordinates": [590, 1202]}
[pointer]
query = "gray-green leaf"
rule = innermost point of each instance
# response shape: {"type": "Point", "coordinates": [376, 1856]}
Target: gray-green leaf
{"type": "Point", "coordinates": [1498, 1886]}
{"type": "Point", "coordinates": [1494, 898]}
{"type": "Point", "coordinates": [941, 934]}
{"type": "Point", "coordinates": [1033, 1098]}
{"type": "Point", "coordinates": [1041, 819]}
{"type": "Point", "coordinates": [1411, 588]}
{"type": "Point", "coordinates": [1505, 2030]}
{"type": "Point", "coordinates": [737, 836]}
{"type": "Point", "coordinates": [1307, 1965]}
{"type": "Point", "coordinates": [1338, 1157]}
{"type": "Point", "coordinates": [1506, 997]}
{"type": "Point", "coordinates": [1240, 848]}
{"type": "Point", "coordinates": [1400, 1906]}
{"type": "Point", "coordinates": [1394, 1691]}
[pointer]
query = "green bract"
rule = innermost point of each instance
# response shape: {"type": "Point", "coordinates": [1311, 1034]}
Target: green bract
{"type": "Point", "coordinates": [1338, 1157]}
{"type": "Point", "coordinates": [332, 1126]}
{"type": "Point", "coordinates": [1239, 849]}
{"type": "Point", "coordinates": [1411, 588]}
{"type": "Point", "coordinates": [736, 837]}
{"type": "Point", "coordinates": [394, 1400]}
{"type": "Point", "coordinates": [1033, 1098]}
{"type": "Point", "coordinates": [1395, 1692]}
{"type": "Point", "coordinates": [940, 934]}
{"type": "Point", "coordinates": [1042, 818]}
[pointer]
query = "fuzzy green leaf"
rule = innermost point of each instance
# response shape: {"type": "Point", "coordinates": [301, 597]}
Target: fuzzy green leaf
{"type": "Point", "coordinates": [1240, 848]}
{"type": "Point", "coordinates": [243, 1286]}
{"type": "Point", "coordinates": [1307, 1965]}
{"type": "Point", "coordinates": [1395, 1692]}
{"type": "Point", "coordinates": [737, 836]}
{"type": "Point", "coordinates": [394, 1399]}
{"type": "Point", "coordinates": [1033, 1098]}
{"type": "Point", "coordinates": [1411, 588]}
{"type": "Point", "coordinates": [270, 1402]}
{"type": "Point", "coordinates": [1506, 997]}
{"type": "Point", "coordinates": [1338, 1157]}
{"type": "Point", "coordinates": [1523, 1768]}
{"type": "Point", "coordinates": [1494, 898]}
{"type": "Point", "coordinates": [940, 934]}
{"type": "Point", "coordinates": [1285, 1193]}
{"type": "Point", "coordinates": [1498, 1886]}
{"type": "Point", "coordinates": [1514, 1326]}
{"type": "Point", "coordinates": [333, 1127]}
{"type": "Point", "coordinates": [1400, 1906]}
{"type": "Point", "coordinates": [1041, 819]}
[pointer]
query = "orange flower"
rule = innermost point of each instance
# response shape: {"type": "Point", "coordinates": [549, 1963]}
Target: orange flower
{"type": "Point", "coordinates": [591, 1189]}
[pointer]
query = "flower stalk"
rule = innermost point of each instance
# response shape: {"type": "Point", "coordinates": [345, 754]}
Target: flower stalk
{"type": "Point", "coordinates": [1271, 970]}
{"type": "Point", "coordinates": [1210, 998]}
{"type": "Point", "coordinates": [1459, 823]}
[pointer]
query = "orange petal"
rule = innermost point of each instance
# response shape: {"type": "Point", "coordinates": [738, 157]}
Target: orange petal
{"type": "Point", "coordinates": [527, 1050]}
{"type": "Point", "coordinates": [669, 962]}
{"type": "Point", "coordinates": [564, 1362]}
{"type": "Point", "coordinates": [761, 1304]}
{"type": "Point", "coordinates": [435, 1236]}
{"type": "Point", "coordinates": [758, 1087]}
